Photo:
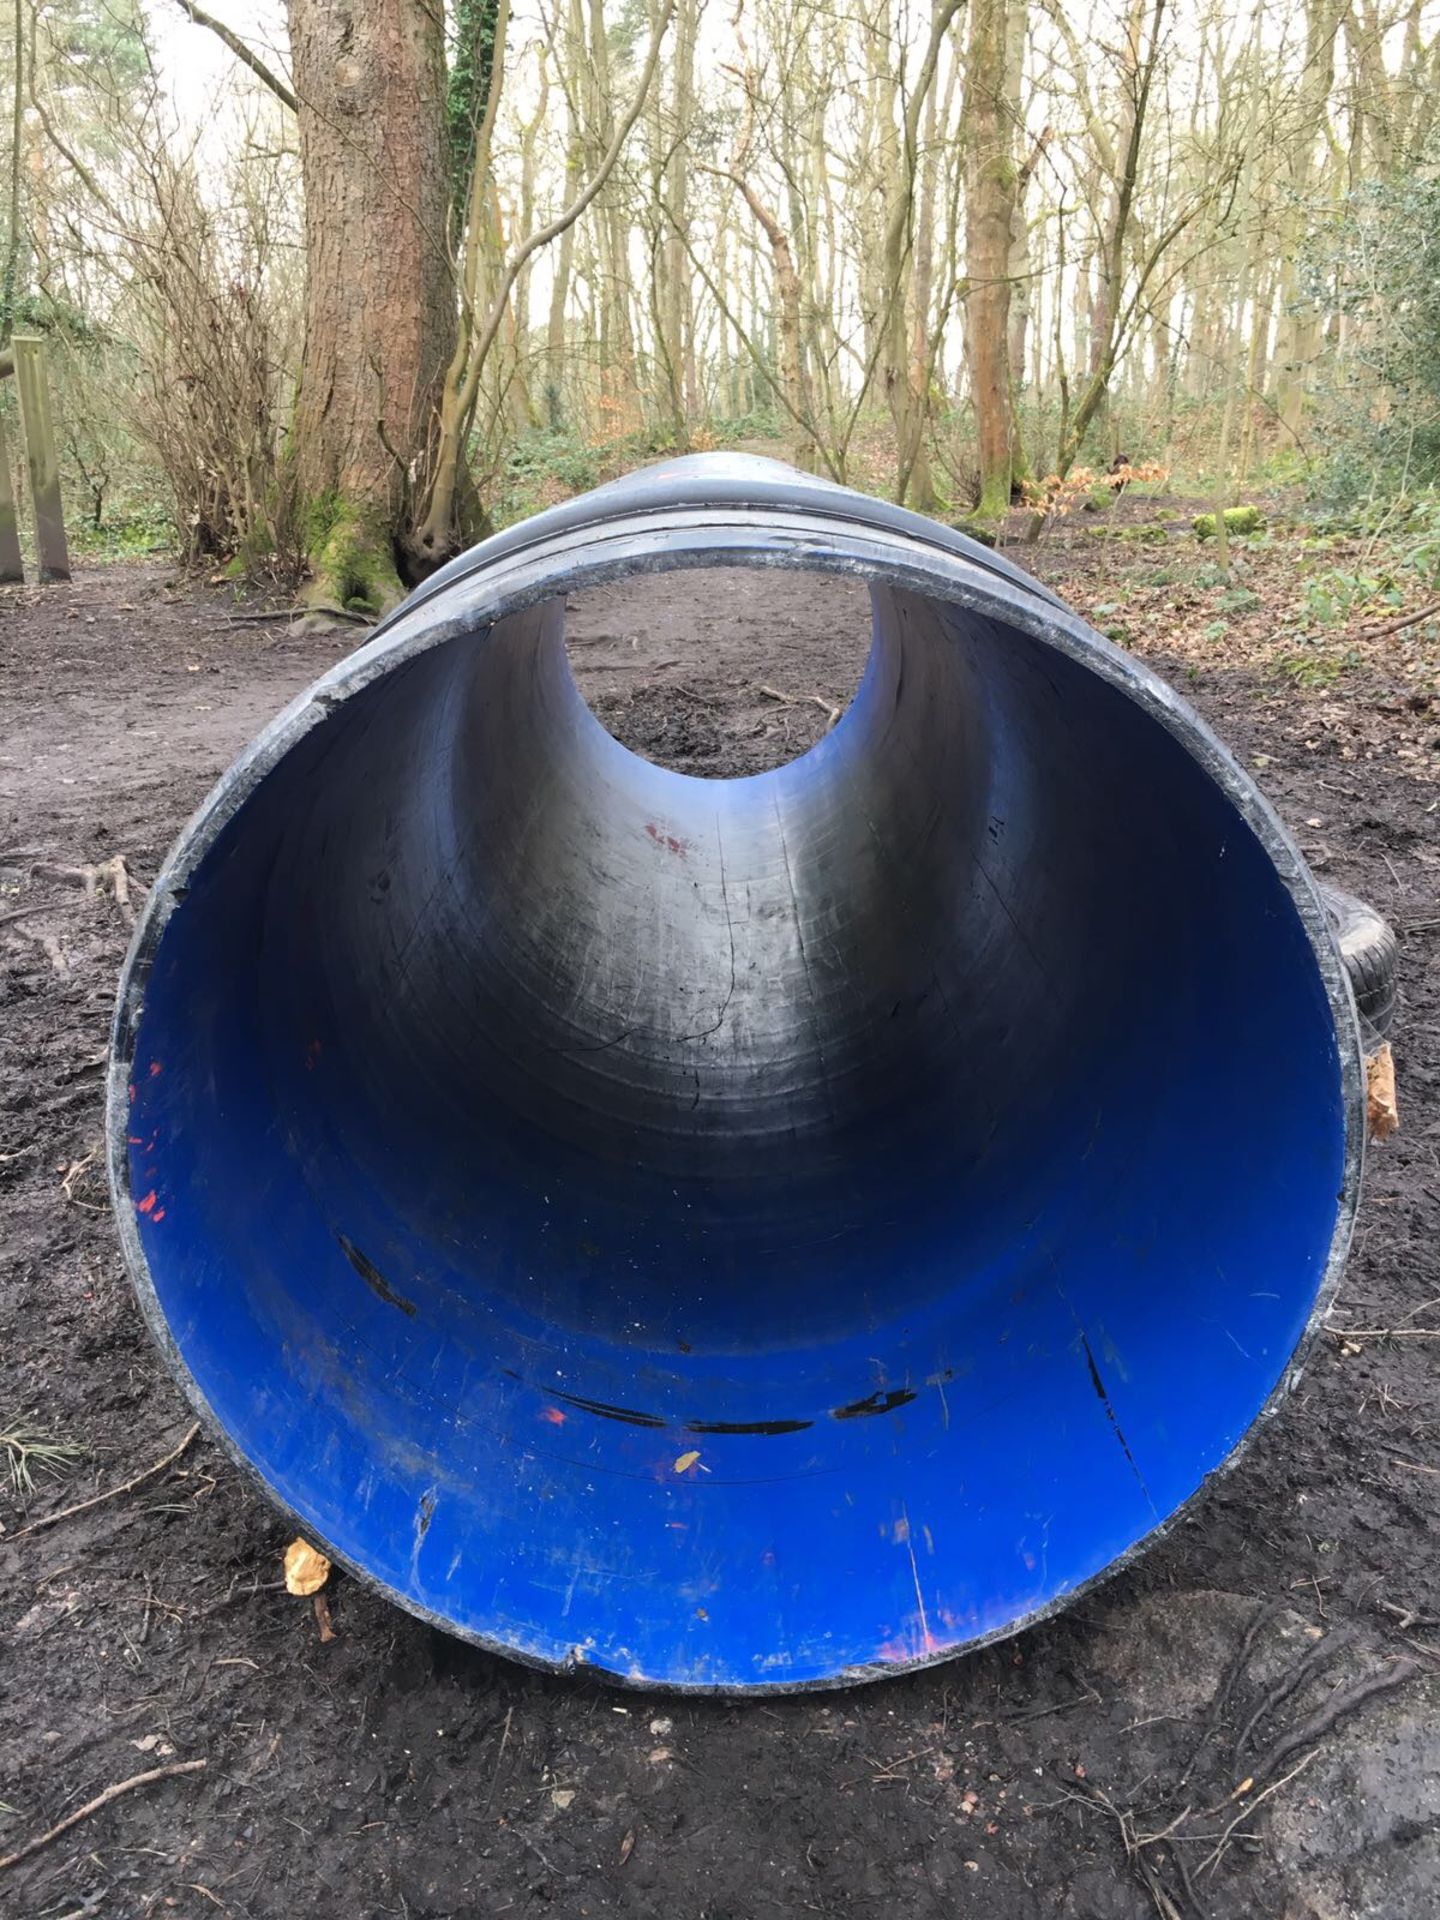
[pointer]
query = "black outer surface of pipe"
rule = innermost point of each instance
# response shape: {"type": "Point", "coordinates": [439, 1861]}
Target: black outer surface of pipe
{"type": "Point", "coordinates": [735, 1234]}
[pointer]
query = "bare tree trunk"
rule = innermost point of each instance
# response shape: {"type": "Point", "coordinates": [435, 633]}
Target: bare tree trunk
{"type": "Point", "coordinates": [909, 409]}
{"type": "Point", "coordinates": [1300, 325]}
{"type": "Point", "coordinates": [1105, 352]}
{"type": "Point", "coordinates": [17, 123]}
{"type": "Point", "coordinates": [379, 312]}
{"type": "Point", "coordinates": [572, 62]}
{"type": "Point", "coordinates": [676, 318]}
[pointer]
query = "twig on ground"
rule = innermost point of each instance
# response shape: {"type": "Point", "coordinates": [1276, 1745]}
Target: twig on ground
{"type": "Point", "coordinates": [827, 707]}
{"type": "Point", "coordinates": [113, 1493]}
{"type": "Point", "coordinates": [299, 615]}
{"type": "Point", "coordinates": [1384, 1333]}
{"type": "Point", "coordinates": [1408, 1617]}
{"type": "Point", "coordinates": [495, 1776]}
{"type": "Point", "coordinates": [1088, 1698]}
{"type": "Point", "coordinates": [1344, 1700]}
{"type": "Point", "coordinates": [1213, 1859]}
{"type": "Point", "coordinates": [1134, 1844]}
{"type": "Point", "coordinates": [94, 1806]}
{"type": "Point", "coordinates": [67, 1184]}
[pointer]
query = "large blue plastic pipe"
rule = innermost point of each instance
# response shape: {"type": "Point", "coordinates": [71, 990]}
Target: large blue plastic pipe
{"type": "Point", "coordinates": [735, 1234]}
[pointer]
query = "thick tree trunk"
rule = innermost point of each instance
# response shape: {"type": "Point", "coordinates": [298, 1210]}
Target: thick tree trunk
{"type": "Point", "coordinates": [990, 211]}
{"type": "Point", "coordinates": [379, 312]}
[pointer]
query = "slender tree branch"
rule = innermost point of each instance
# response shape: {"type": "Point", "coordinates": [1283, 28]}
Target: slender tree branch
{"type": "Point", "coordinates": [242, 53]}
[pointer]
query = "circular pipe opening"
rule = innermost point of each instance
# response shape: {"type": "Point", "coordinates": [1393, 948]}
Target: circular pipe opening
{"type": "Point", "coordinates": [735, 1233]}
{"type": "Point", "coordinates": [719, 672]}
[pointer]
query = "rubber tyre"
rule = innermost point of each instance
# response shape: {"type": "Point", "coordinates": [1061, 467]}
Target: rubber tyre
{"type": "Point", "coordinates": [1368, 946]}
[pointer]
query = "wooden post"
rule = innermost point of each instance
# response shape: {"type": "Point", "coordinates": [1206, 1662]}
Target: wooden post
{"type": "Point", "coordinates": [12, 568]}
{"type": "Point", "coordinates": [42, 460]}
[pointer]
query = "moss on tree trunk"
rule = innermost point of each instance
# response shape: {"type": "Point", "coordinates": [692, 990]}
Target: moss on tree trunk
{"type": "Point", "coordinates": [352, 558]}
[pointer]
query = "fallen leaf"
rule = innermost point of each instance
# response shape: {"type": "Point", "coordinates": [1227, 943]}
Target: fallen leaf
{"type": "Point", "coordinates": [627, 1846]}
{"type": "Point", "coordinates": [306, 1569]}
{"type": "Point", "coordinates": [659, 1755]}
{"type": "Point", "coordinates": [152, 1743]}
{"type": "Point", "coordinates": [562, 1796]}
{"type": "Point", "coordinates": [1383, 1113]}
{"type": "Point", "coordinates": [686, 1461]}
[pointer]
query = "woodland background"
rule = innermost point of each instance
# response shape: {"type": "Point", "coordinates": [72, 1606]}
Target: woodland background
{"type": "Point", "coordinates": [404, 275]}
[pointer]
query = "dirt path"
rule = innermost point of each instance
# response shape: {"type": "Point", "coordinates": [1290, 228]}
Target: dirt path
{"type": "Point", "coordinates": [393, 1771]}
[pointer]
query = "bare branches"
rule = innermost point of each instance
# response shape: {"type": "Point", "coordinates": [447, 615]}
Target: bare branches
{"type": "Point", "coordinates": [243, 53]}
{"type": "Point", "coordinates": [462, 381]}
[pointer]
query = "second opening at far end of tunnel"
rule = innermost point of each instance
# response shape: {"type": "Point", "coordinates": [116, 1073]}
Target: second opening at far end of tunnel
{"type": "Point", "coordinates": [719, 671]}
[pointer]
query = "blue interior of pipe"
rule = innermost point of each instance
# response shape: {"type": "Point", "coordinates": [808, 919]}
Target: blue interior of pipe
{"type": "Point", "coordinates": [737, 1232]}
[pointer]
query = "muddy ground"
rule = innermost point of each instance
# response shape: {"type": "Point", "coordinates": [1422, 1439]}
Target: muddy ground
{"type": "Point", "coordinates": [392, 1771]}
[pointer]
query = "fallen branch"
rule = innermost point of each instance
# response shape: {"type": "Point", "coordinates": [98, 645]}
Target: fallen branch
{"type": "Point", "coordinates": [1398, 626]}
{"type": "Point", "coordinates": [94, 1806]}
{"type": "Point", "coordinates": [1344, 1700]}
{"type": "Point", "coordinates": [114, 1493]}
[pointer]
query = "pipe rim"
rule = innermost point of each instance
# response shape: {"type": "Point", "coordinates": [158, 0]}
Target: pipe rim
{"type": "Point", "coordinates": [866, 546]}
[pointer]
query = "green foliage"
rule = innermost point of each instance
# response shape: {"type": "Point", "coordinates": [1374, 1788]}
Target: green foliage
{"type": "Point", "coordinates": [1418, 538]}
{"type": "Point", "coordinates": [1238, 600]}
{"type": "Point", "coordinates": [472, 60]}
{"type": "Point", "coordinates": [540, 467]}
{"type": "Point", "coordinates": [1377, 260]}
{"type": "Point", "coordinates": [128, 535]}
{"type": "Point", "coordinates": [1316, 669]}
{"type": "Point", "coordinates": [1333, 596]}
{"type": "Point", "coordinates": [760, 423]}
